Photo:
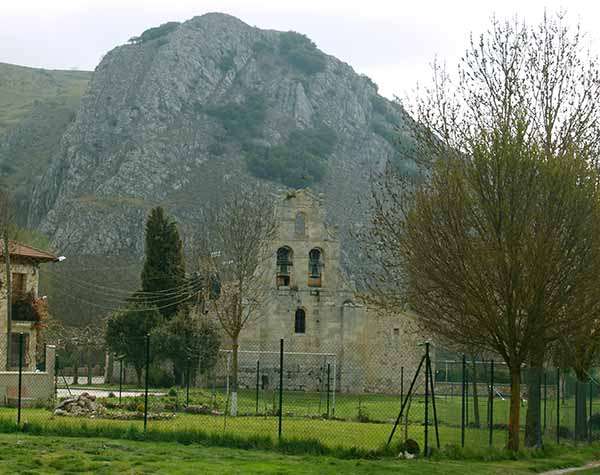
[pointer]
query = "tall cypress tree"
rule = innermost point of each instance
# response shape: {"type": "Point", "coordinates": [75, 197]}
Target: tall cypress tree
{"type": "Point", "coordinates": [164, 267]}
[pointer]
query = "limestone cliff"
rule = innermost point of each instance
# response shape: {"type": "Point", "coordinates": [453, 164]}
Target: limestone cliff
{"type": "Point", "coordinates": [184, 107]}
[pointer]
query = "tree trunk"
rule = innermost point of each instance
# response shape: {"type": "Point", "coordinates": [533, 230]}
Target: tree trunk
{"type": "Point", "coordinates": [515, 408]}
{"type": "Point", "coordinates": [178, 375]}
{"type": "Point", "coordinates": [138, 375]}
{"type": "Point", "coordinates": [234, 376]}
{"type": "Point", "coordinates": [477, 420]}
{"type": "Point", "coordinates": [580, 409]}
{"type": "Point", "coordinates": [76, 368]}
{"type": "Point", "coordinates": [90, 366]}
{"type": "Point", "coordinates": [533, 420]}
{"type": "Point", "coordinates": [108, 367]}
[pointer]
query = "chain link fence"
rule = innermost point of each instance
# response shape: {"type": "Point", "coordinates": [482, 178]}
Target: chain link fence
{"type": "Point", "coordinates": [277, 393]}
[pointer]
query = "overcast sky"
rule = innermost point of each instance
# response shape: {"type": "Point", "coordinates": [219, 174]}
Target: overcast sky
{"type": "Point", "coordinates": [392, 41]}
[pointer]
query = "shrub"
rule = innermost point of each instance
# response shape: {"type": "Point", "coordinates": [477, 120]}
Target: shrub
{"type": "Point", "coordinates": [159, 377]}
{"type": "Point", "coordinates": [241, 121]}
{"type": "Point", "coordinates": [298, 163]}
{"type": "Point", "coordinates": [301, 52]}
{"type": "Point", "coordinates": [156, 32]}
{"type": "Point", "coordinates": [379, 105]}
{"type": "Point", "coordinates": [595, 421]}
{"type": "Point", "coordinates": [226, 62]}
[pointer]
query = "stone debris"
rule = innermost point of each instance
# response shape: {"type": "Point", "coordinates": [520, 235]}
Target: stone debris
{"type": "Point", "coordinates": [83, 405]}
{"type": "Point", "coordinates": [202, 409]}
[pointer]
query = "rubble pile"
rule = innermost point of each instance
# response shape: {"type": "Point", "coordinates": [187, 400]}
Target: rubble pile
{"type": "Point", "coordinates": [83, 405]}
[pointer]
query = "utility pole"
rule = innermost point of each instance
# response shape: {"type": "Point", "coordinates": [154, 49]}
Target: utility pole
{"type": "Point", "coordinates": [8, 294]}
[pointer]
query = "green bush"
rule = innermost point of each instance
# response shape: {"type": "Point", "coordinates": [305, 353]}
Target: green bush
{"type": "Point", "coordinates": [379, 105]}
{"type": "Point", "coordinates": [241, 121]}
{"type": "Point", "coordinates": [226, 63]}
{"type": "Point", "coordinates": [595, 421]}
{"type": "Point", "coordinates": [298, 163]}
{"type": "Point", "coordinates": [160, 378]}
{"type": "Point", "coordinates": [156, 32]}
{"type": "Point", "coordinates": [301, 52]}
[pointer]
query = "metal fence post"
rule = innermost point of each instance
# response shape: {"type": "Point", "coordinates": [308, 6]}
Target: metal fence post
{"type": "Point", "coordinates": [280, 388]}
{"type": "Point", "coordinates": [467, 397]}
{"type": "Point", "coordinates": [545, 396]}
{"type": "Point", "coordinates": [257, 383]}
{"type": "Point", "coordinates": [463, 401]}
{"type": "Point", "coordinates": [491, 411]}
{"type": "Point", "coordinates": [590, 416]}
{"type": "Point", "coordinates": [146, 382]}
{"type": "Point", "coordinates": [558, 405]}
{"type": "Point", "coordinates": [56, 377]}
{"type": "Point", "coordinates": [328, 386]}
{"type": "Point", "coordinates": [426, 437]}
{"type": "Point", "coordinates": [401, 383]}
{"type": "Point", "coordinates": [20, 379]}
{"type": "Point", "coordinates": [435, 419]}
{"type": "Point", "coordinates": [120, 379]}
{"type": "Point", "coordinates": [539, 408]}
{"type": "Point", "coordinates": [188, 382]}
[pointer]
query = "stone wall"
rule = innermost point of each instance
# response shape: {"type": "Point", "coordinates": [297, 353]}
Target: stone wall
{"type": "Point", "coordinates": [31, 273]}
{"type": "Point", "coordinates": [368, 347]}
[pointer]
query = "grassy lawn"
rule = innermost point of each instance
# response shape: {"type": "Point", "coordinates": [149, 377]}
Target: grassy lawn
{"type": "Point", "coordinates": [26, 454]}
{"type": "Point", "coordinates": [362, 421]}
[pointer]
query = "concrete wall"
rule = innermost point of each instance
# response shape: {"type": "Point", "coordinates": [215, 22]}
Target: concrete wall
{"type": "Point", "coordinates": [35, 387]}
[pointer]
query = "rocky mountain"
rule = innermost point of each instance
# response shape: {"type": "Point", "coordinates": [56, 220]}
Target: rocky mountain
{"type": "Point", "coordinates": [172, 116]}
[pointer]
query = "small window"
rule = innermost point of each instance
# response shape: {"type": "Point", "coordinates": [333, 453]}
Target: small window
{"type": "Point", "coordinates": [300, 225]}
{"type": "Point", "coordinates": [315, 264]}
{"type": "Point", "coordinates": [300, 321]}
{"type": "Point", "coordinates": [284, 264]}
{"type": "Point", "coordinates": [19, 285]}
{"type": "Point", "coordinates": [396, 332]}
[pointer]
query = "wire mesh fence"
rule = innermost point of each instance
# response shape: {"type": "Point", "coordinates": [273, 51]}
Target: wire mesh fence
{"type": "Point", "coordinates": [272, 391]}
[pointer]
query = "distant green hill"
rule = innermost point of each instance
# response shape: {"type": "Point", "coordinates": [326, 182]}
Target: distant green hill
{"type": "Point", "coordinates": [36, 106]}
{"type": "Point", "coordinates": [21, 87]}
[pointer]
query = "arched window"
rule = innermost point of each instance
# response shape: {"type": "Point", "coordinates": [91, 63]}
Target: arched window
{"type": "Point", "coordinates": [300, 321]}
{"type": "Point", "coordinates": [315, 264]}
{"type": "Point", "coordinates": [300, 225]}
{"type": "Point", "coordinates": [284, 262]}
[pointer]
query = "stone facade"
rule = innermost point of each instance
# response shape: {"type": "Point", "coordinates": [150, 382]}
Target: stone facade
{"type": "Point", "coordinates": [25, 275]}
{"type": "Point", "coordinates": [315, 309]}
{"type": "Point", "coordinates": [36, 385]}
{"type": "Point", "coordinates": [25, 303]}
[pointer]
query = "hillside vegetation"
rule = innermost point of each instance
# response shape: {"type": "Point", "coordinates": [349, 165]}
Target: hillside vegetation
{"type": "Point", "coordinates": [21, 87]}
{"type": "Point", "coordinates": [36, 105]}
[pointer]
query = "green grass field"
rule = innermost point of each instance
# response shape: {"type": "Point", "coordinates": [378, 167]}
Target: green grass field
{"type": "Point", "coordinates": [359, 422]}
{"type": "Point", "coordinates": [26, 454]}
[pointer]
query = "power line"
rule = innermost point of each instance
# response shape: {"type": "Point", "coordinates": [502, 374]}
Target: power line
{"type": "Point", "coordinates": [113, 290]}
{"type": "Point", "coordinates": [119, 300]}
{"type": "Point", "coordinates": [124, 309]}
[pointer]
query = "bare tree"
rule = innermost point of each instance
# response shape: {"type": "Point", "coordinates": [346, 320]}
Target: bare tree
{"type": "Point", "coordinates": [520, 92]}
{"type": "Point", "coordinates": [233, 250]}
{"type": "Point", "coordinates": [496, 251]}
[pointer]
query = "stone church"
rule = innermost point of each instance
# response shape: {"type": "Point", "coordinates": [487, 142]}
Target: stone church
{"type": "Point", "coordinates": [315, 309]}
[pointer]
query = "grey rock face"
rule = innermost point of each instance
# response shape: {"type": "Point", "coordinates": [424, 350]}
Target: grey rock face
{"type": "Point", "coordinates": [143, 137]}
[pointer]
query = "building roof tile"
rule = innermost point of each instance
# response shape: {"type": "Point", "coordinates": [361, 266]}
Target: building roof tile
{"type": "Point", "coordinates": [18, 249]}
